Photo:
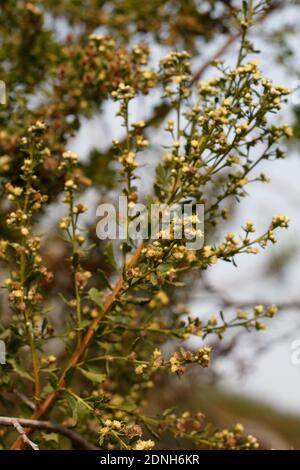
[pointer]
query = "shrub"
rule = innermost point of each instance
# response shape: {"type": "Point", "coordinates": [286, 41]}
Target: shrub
{"type": "Point", "coordinates": [92, 366]}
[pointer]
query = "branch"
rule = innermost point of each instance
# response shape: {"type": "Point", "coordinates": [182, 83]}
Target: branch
{"type": "Point", "coordinates": [25, 400]}
{"type": "Point", "coordinates": [18, 423]}
{"type": "Point", "coordinates": [219, 53]}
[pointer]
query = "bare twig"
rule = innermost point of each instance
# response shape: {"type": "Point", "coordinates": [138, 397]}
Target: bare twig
{"type": "Point", "coordinates": [25, 400]}
{"type": "Point", "coordinates": [219, 53]}
{"type": "Point", "coordinates": [18, 423]}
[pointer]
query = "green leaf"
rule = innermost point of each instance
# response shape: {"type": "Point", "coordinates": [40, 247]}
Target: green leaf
{"type": "Point", "coordinates": [19, 370]}
{"type": "Point", "coordinates": [33, 276]}
{"type": "Point", "coordinates": [126, 248]}
{"type": "Point", "coordinates": [51, 436]}
{"type": "Point", "coordinates": [94, 376]}
{"type": "Point", "coordinates": [153, 279]}
{"type": "Point", "coordinates": [53, 380]}
{"type": "Point", "coordinates": [104, 279]}
{"type": "Point", "coordinates": [96, 296]}
{"type": "Point", "coordinates": [177, 284]}
{"type": "Point", "coordinates": [73, 404]}
{"type": "Point", "coordinates": [109, 255]}
{"type": "Point", "coordinates": [161, 176]}
{"type": "Point", "coordinates": [138, 300]}
{"type": "Point", "coordinates": [69, 376]}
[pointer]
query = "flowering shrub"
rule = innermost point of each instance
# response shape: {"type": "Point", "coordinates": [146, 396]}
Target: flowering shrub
{"type": "Point", "coordinates": [116, 322]}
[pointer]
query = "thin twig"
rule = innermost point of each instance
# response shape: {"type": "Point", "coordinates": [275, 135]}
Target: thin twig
{"type": "Point", "coordinates": [46, 426]}
{"type": "Point", "coordinates": [17, 425]}
{"type": "Point", "coordinates": [25, 400]}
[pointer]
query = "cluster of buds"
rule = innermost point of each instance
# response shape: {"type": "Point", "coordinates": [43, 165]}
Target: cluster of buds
{"type": "Point", "coordinates": [175, 69]}
{"type": "Point", "coordinates": [184, 424]}
{"type": "Point", "coordinates": [242, 319]}
{"type": "Point", "coordinates": [107, 65]}
{"type": "Point", "coordinates": [233, 245]}
{"type": "Point", "coordinates": [231, 440]}
{"type": "Point", "coordinates": [180, 359]}
{"type": "Point", "coordinates": [37, 127]}
{"type": "Point", "coordinates": [280, 221]}
{"type": "Point", "coordinates": [144, 445]}
{"type": "Point", "coordinates": [130, 435]}
{"type": "Point", "coordinates": [123, 93]}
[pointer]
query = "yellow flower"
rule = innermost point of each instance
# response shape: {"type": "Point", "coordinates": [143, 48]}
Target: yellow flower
{"type": "Point", "coordinates": [139, 369]}
{"type": "Point", "coordinates": [144, 445]}
{"type": "Point", "coordinates": [207, 251]}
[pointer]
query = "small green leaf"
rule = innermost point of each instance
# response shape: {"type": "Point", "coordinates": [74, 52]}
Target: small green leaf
{"type": "Point", "coordinates": [69, 375]}
{"type": "Point", "coordinates": [33, 276]}
{"type": "Point", "coordinates": [177, 284]}
{"type": "Point", "coordinates": [109, 255]}
{"type": "Point", "coordinates": [161, 176]}
{"type": "Point", "coordinates": [153, 279]}
{"type": "Point", "coordinates": [103, 278]}
{"type": "Point", "coordinates": [126, 248]}
{"type": "Point", "coordinates": [96, 296]}
{"type": "Point", "coordinates": [73, 404]}
{"type": "Point", "coordinates": [93, 376]}
{"type": "Point", "coordinates": [51, 436]}
{"type": "Point", "coordinates": [18, 369]}
{"type": "Point", "coordinates": [138, 300]}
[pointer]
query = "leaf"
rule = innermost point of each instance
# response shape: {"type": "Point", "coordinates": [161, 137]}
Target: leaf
{"type": "Point", "coordinates": [18, 369]}
{"type": "Point", "coordinates": [161, 176]}
{"type": "Point", "coordinates": [33, 276]}
{"type": "Point", "coordinates": [53, 380]}
{"type": "Point", "coordinates": [109, 255]}
{"type": "Point", "coordinates": [93, 376]}
{"type": "Point", "coordinates": [96, 296]}
{"type": "Point", "coordinates": [101, 330]}
{"type": "Point", "coordinates": [126, 248]}
{"type": "Point", "coordinates": [69, 375]}
{"type": "Point", "coordinates": [138, 300]}
{"type": "Point", "coordinates": [153, 279]}
{"type": "Point", "coordinates": [44, 325]}
{"type": "Point", "coordinates": [73, 404]}
{"type": "Point", "coordinates": [104, 279]}
{"type": "Point", "coordinates": [51, 436]}
{"type": "Point", "coordinates": [177, 284]}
